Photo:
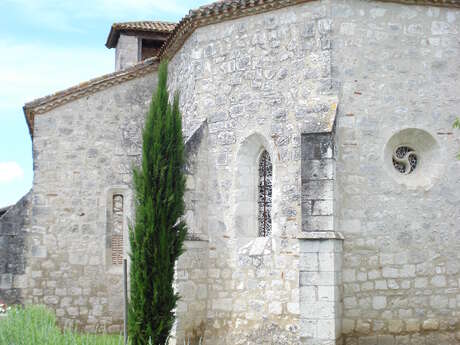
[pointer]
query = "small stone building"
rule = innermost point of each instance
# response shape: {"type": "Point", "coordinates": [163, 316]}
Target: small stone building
{"type": "Point", "coordinates": [323, 187]}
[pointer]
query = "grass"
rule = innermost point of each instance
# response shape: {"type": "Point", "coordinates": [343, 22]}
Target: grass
{"type": "Point", "coordinates": [36, 325]}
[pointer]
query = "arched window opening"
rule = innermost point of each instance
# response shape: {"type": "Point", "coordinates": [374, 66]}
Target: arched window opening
{"type": "Point", "coordinates": [265, 194]}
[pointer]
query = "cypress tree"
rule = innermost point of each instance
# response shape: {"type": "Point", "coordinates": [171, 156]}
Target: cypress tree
{"type": "Point", "coordinates": [158, 233]}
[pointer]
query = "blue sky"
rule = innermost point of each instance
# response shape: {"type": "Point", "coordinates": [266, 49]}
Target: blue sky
{"type": "Point", "coordinates": [49, 45]}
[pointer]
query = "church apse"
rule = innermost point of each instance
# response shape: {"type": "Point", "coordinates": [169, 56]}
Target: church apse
{"type": "Point", "coordinates": [378, 167]}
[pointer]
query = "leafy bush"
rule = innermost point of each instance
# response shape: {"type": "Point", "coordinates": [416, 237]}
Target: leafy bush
{"type": "Point", "coordinates": [37, 325]}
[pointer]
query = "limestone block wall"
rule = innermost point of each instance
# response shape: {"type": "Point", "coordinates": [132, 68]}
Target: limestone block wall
{"type": "Point", "coordinates": [192, 285]}
{"type": "Point", "coordinates": [84, 152]}
{"type": "Point", "coordinates": [191, 279]}
{"type": "Point", "coordinates": [398, 68]}
{"type": "Point", "coordinates": [126, 52]}
{"type": "Point", "coordinates": [320, 246]}
{"type": "Point", "coordinates": [239, 76]}
{"type": "Point", "coordinates": [261, 83]}
{"type": "Point", "coordinates": [320, 289]}
{"type": "Point", "coordinates": [14, 225]}
{"type": "Point", "coordinates": [395, 67]}
{"type": "Point", "coordinates": [197, 174]}
{"type": "Point", "coordinates": [318, 179]}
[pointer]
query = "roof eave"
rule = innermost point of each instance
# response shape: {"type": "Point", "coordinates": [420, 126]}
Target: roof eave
{"type": "Point", "coordinates": [47, 103]}
{"type": "Point", "coordinates": [117, 28]}
{"type": "Point", "coordinates": [112, 38]}
{"type": "Point", "coordinates": [28, 114]}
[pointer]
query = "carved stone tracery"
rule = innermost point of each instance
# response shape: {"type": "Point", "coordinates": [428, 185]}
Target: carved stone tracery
{"type": "Point", "coordinates": [265, 194]}
{"type": "Point", "coordinates": [405, 159]}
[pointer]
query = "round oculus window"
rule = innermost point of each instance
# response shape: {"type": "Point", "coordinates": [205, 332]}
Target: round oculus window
{"type": "Point", "coordinates": [405, 159]}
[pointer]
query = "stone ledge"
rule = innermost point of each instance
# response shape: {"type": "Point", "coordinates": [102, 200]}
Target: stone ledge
{"type": "Point", "coordinates": [320, 235]}
{"type": "Point", "coordinates": [324, 118]}
{"type": "Point", "coordinates": [196, 238]}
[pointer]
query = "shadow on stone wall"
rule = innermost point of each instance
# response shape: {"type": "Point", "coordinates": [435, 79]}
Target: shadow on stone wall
{"type": "Point", "coordinates": [12, 242]}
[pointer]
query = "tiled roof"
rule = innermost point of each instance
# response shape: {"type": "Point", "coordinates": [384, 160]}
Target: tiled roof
{"type": "Point", "coordinates": [45, 104]}
{"type": "Point", "coordinates": [147, 26]}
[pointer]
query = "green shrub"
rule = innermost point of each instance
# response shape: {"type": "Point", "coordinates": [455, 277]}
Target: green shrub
{"type": "Point", "coordinates": [37, 325]}
{"type": "Point", "coordinates": [158, 233]}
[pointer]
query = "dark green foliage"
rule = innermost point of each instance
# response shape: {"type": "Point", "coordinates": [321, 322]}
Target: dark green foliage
{"type": "Point", "coordinates": [158, 233]}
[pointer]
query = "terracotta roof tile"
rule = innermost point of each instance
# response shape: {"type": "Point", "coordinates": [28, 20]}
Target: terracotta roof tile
{"type": "Point", "coordinates": [147, 26]}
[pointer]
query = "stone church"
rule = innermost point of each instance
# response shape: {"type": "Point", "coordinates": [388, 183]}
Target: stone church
{"type": "Point", "coordinates": [323, 187]}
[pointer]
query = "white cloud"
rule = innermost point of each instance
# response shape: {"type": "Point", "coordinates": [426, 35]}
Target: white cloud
{"type": "Point", "coordinates": [10, 171]}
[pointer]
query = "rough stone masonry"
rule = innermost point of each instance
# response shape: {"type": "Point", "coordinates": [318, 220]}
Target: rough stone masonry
{"type": "Point", "coordinates": [353, 101]}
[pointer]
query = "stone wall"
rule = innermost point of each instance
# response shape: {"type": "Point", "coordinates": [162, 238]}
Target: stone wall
{"type": "Point", "coordinates": [239, 76]}
{"type": "Point", "coordinates": [84, 152]}
{"type": "Point", "coordinates": [321, 247]}
{"type": "Point", "coordinates": [321, 289]}
{"type": "Point", "coordinates": [192, 285]}
{"type": "Point", "coordinates": [197, 174]}
{"type": "Point", "coordinates": [192, 266]}
{"type": "Point", "coordinates": [14, 225]}
{"type": "Point", "coordinates": [318, 178]}
{"type": "Point", "coordinates": [271, 82]}
{"type": "Point", "coordinates": [126, 52]}
{"type": "Point", "coordinates": [394, 67]}
{"type": "Point", "coordinates": [398, 67]}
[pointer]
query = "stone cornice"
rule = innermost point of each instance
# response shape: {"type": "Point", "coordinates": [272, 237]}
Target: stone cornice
{"type": "Point", "coordinates": [45, 104]}
{"type": "Point", "coordinates": [320, 235]}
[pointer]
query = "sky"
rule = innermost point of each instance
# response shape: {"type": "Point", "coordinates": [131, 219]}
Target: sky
{"type": "Point", "coordinates": [50, 45]}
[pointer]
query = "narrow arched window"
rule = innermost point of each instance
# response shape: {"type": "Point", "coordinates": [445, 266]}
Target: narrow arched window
{"type": "Point", "coordinates": [265, 194]}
